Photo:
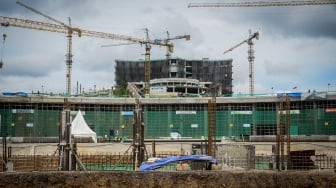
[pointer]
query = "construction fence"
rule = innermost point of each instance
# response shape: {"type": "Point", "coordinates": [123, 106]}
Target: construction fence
{"type": "Point", "coordinates": [309, 120]}
{"type": "Point", "coordinates": [274, 120]}
{"type": "Point", "coordinates": [229, 157]}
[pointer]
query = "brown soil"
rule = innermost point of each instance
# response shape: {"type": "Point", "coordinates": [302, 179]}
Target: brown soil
{"type": "Point", "coordinates": [257, 179]}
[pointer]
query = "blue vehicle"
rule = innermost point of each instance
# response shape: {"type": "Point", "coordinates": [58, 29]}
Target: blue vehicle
{"type": "Point", "coordinates": [195, 162]}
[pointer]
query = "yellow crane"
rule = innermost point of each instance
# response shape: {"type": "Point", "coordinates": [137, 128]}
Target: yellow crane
{"type": "Point", "coordinates": [264, 3]}
{"type": "Point", "coordinates": [69, 30]}
{"type": "Point", "coordinates": [166, 43]}
{"type": "Point", "coordinates": [147, 54]}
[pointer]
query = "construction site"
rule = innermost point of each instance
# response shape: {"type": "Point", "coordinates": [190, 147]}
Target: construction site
{"type": "Point", "coordinates": [171, 107]}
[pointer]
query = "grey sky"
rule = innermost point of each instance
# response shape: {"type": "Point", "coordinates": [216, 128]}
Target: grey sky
{"type": "Point", "coordinates": [296, 46]}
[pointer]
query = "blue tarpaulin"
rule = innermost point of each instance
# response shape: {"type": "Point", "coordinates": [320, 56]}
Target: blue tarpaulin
{"type": "Point", "coordinates": [294, 95]}
{"type": "Point", "coordinates": [19, 93]}
{"type": "Point", "coordinates": [158, 163]}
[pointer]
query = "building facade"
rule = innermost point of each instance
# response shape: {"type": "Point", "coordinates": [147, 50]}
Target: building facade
{"type": "Point", "coordinates": [205, 70]}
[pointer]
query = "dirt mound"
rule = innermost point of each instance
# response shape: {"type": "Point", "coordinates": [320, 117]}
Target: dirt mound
{"type": "Point", "coordinates": [169, 179]}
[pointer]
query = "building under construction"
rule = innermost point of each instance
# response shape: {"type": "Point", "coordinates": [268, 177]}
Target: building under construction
{"type": "Point", "coordinates": [205, 70]}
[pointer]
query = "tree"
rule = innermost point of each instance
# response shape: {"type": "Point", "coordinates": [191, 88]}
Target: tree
{"type": "Point", "coordinates": [122, 91]}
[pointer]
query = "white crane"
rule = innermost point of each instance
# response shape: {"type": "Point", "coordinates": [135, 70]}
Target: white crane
{"type": "Point", "coordinates": [250, 57]}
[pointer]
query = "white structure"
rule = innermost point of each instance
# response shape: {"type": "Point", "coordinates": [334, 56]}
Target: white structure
{"type": "Point", "coordinates": [80, 129]}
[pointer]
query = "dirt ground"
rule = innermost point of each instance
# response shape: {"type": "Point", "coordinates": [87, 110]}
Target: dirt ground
{"type": "Point", "coordinates": [261, 148]}
{"type": "Point", "coordinates": [232, 179]}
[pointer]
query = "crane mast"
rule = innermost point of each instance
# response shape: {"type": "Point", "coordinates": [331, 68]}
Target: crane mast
{"type": "Point", "coordinates": [147, 65]}
{"type": "Point", "coordinates": [250, 57]}
{"type": "Point", "coordinates": [68, 62]}
{"type": "Point", "coordinates": [264, 3]}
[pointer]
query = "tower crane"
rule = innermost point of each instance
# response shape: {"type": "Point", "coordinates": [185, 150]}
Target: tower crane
{"type": "Point", "coordinates": [147, 55]}
{"type": "Point", "coordinates": [147, 64]}
{"type": "Point", "coordinates": [69, 30]}
{"type": "Point", "coordinates": [186, 37]}
{"type": "Point", "coordinates": [147, 43]}
{"type": "Point", "coordinates": [264, 3]}
{"type": "Point", "coordinates": [250, 57]}
{"type": "Point", "coordinates": [259, 4]}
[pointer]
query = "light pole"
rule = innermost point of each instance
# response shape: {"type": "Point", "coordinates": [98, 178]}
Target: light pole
{"type": "Point", "coordinates": [328, 86]}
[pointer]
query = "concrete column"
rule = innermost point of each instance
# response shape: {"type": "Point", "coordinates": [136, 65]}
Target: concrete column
{"type": "Point", "coordinates": [315, 122]}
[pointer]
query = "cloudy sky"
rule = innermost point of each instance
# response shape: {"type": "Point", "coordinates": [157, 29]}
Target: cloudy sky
{"type": "Point", "coordinates": [296, 48]}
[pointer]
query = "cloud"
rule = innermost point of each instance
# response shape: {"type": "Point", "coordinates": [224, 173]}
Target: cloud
{"type": "Point", "coordinates": [311, 21]}
{"type": "Point", "coordinates": [281, 68]}
{"type": "Point", "coordinates": [30, 66]}
{"type": "Point", "coordinates": [8, 7]}
{"type": "Point", "coordinates": [296, 45]}
{"type": "Point", "coordinates": [59, 10]}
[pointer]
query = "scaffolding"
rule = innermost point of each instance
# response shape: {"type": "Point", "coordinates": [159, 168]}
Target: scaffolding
{"type": "Point", "coordinates": [204, 70]}
{"type": "Point", "coordinates": [212, 127]}
{"type": "Point", "coordinates": [283, 135]}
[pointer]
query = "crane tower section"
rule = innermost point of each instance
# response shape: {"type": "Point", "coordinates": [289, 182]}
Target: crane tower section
{"type": "Point", "coordinates": [251, 64]}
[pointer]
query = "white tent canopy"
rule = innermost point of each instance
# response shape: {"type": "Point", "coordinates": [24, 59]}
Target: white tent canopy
{"type": "Point", "coordinates": [79, 128]}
